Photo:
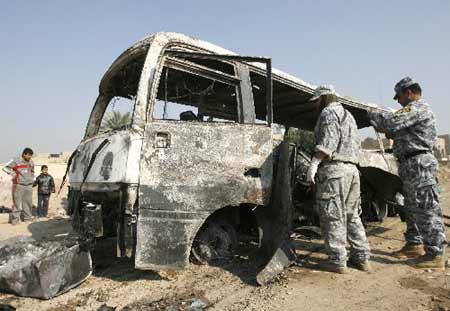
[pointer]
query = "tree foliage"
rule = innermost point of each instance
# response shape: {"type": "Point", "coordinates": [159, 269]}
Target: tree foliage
{"type": "Point", "coordinates": [115, 120]}
{"type": "Point", "coordinates": [302, 138]}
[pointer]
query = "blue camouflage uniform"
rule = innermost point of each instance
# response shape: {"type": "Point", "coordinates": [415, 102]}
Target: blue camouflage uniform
{"type": "Point", "coordinates": [413, 129]}
{"type": "Point", "coordinates": [338, 197]}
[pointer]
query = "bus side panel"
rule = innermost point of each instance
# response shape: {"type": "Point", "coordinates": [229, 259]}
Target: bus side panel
{"type": "Point", "coordinates": [188, 171]}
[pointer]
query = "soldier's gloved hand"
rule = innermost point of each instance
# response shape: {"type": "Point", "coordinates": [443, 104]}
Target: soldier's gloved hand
{"type": "Point", "coordinates": [312, 170]}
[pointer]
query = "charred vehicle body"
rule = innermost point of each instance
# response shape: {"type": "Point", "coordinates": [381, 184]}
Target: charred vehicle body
{"type": "Point", "coordinates": [203, 156]}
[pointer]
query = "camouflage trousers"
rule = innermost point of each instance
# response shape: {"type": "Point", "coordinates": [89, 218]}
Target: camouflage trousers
{"type": "Point", "coordinates": [338, 201]}
{"type": "Point", "coordinates": [423, 212]}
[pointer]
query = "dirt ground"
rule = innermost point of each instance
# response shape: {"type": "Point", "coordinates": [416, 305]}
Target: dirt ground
{"type": "Point", "coordinates": [392, 285]}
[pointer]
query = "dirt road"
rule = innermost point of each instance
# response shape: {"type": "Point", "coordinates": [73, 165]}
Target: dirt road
{"type": "Point", "coordinates": [393, 285]}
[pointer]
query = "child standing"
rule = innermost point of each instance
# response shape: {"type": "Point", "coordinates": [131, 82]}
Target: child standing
{"type": "Point", "coordinates": [46, 186]}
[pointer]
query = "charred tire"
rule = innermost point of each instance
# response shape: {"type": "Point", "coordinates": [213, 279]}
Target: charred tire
{"type": "Point", "coordinates": [215, 243]}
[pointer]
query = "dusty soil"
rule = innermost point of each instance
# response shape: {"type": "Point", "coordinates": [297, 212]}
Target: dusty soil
{"type": "Point", "coordinates": [393, 285]}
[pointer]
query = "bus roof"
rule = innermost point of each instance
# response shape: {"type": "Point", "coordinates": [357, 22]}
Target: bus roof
{"type": "Point", "coordinates": [290, 94]}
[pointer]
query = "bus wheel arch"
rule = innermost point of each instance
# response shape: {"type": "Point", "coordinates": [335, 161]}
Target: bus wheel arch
{"type": "Point", "coordinates": [217, 238]}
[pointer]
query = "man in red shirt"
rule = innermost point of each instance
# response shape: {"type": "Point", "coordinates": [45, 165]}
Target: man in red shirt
{"type": "Point", "coordinates": [22, 170]}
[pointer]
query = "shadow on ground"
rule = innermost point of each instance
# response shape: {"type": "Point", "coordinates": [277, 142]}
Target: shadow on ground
{"type": "Point", "coordinates": [247, 264]}
{"type": "Point", "coordinates": [311, 251]}
{"type": "Point", "coordinates": [51, 229]}
{"type": "Point", "coordinates": [107, 265]}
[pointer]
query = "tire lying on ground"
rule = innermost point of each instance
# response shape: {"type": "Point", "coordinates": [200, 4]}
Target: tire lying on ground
{"type": "Point", "coordinates": [43, 270]}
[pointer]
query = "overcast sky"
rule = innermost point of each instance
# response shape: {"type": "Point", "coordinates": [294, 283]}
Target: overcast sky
{"type": "Point", "coordinates": [53, 53]}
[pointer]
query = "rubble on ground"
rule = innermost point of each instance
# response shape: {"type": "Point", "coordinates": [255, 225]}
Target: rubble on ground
{"type": "Point", "coordinates": [43, 270]}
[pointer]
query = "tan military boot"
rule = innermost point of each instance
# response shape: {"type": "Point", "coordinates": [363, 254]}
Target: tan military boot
{"type": "Point", "coordinates": [409, 251]}
{"type": "Point", "coordinates": [330, 267]}
{"type": "Point", "coordinates": [430, 262]}
{"type": "Point", "coordinates": [360, 265]}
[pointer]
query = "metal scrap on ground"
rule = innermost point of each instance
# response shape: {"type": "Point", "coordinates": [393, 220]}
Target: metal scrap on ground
{"type": "Point", "coordinates": [42, 269]}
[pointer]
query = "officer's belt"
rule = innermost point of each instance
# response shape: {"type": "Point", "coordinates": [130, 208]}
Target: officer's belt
{"type": "Point", "coordinates": [413, 154]}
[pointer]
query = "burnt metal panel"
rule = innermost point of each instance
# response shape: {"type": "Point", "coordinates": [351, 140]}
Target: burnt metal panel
{"type": "Point", "coordinates": [165, 238]}
{"type": "Point", "coordinates": [380, 172]}
{"type": "Point", "coordinates": [110, 158]}
{"type": "Point", "coordinates": [201, 170]}
{"type": "Point", "coordinates": [247, 108]}
{"type": "Point", "coordinates": [275, 220]}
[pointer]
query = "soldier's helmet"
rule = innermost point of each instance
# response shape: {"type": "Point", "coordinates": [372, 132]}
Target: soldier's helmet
{"type": "Point", "coordinates": [322, 90]}
{"type": "Point", "coordinates": [403, 84]}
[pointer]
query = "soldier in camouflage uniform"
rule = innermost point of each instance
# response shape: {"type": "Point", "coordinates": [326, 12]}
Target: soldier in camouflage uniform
{"type": "Point", "coordinates": [413, 129]}
{"type": "Point", "coordinates": [335, 175]}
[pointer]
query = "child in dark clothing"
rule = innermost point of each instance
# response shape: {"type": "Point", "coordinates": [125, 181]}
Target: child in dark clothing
{"type": "Point", "coordinates": [46, 186]}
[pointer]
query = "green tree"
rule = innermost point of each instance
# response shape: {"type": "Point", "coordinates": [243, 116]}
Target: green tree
{"type": "Point", "coordinates": [115, 120]}
{"type": "Point", "coordinates": [302, 138]}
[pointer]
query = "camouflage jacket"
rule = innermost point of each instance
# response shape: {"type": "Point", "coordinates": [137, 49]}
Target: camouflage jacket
{"type": "Point", "coordinates": [336, 134]}
{"type": "Point", "coordinates": [413, 128]}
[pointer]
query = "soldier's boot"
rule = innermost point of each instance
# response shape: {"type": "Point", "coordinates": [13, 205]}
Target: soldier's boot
{"type": "Point", "coordinates": [430, 262]}
{"type": "Point", "coordinates": [409, 251]}
{"type": "Point", "coordinates": [330, 267]}
{"type": "Point", "coordinates": [360, 265]}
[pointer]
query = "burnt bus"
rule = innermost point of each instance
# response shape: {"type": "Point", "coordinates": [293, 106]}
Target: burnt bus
{"type": "Point", "coordinates": [186, 149]}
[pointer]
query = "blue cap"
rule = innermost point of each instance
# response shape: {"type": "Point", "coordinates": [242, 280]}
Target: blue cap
{"type": "Point", "coordinates": [403, 84]}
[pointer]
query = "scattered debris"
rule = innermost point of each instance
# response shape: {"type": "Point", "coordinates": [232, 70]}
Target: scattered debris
{"type": "Point", "coordinates": [42, 269]}
{"type": "Point", "coordinates": [197, 305]}
{"type": "Point", "coordinates": [283, 257]}
{"type": "Point", "coordinates": [312, 232]}
{"type": "Point", "coordinates": [4, 307]}
{"type": "Point", "coordinates": [105, 307]}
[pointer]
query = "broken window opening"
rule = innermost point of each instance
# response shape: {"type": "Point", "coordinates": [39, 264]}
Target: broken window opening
{"type": "Point", "coordinates": [118, 114]}
{"type": "Point", "coordinates": [258, 83]}
{"type": "Point", "coordinates": [118, 96]}
{"type": "Point", "coordinates": [188, 96]}
{"type": "Point", "coordinates": [291, 106]}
